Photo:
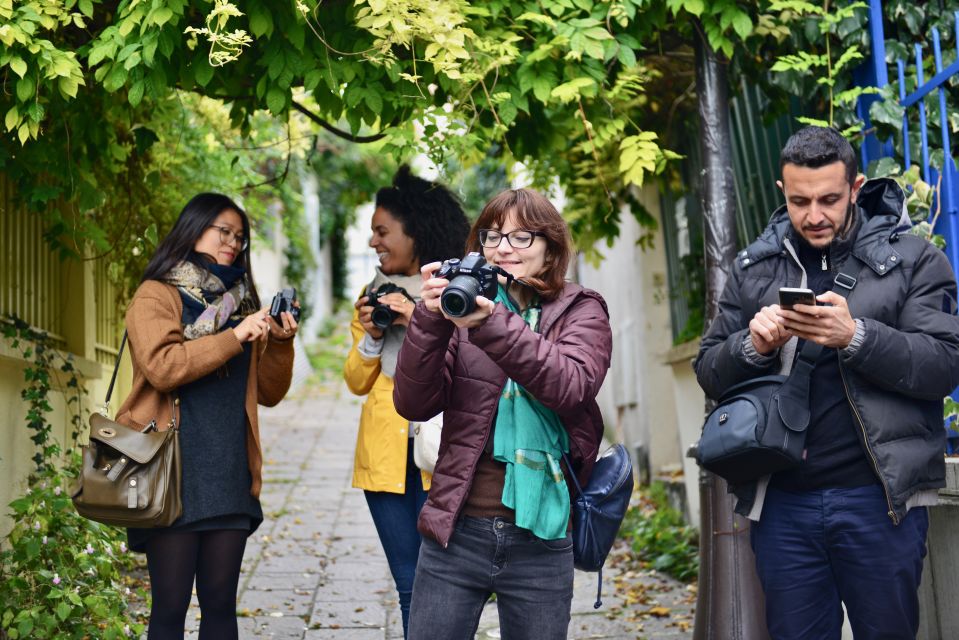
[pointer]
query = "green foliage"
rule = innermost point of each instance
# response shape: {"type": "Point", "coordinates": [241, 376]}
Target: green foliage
{"type": "Point", "coordinates": [659, 537]}
{"type": "Point", "coordinates": [920, 197]}
{"type": "Point", "coordinates": [950, 412]}
{"type": "Point", "coordinates": [693, 291]}
{"type": "Point", "coordinates": [828, 42]}
{"type": "Point", "coordinates": [47, 368]}
{"type": "Point", "coordinates": [586, 93]}
{"type": "Point", "coordinates": [329, 352]}
{"type": "Point", "coordinates": [910, 24]}
{"type": "Point", "coordinates": [59, 573]}
{"type": "Point", "coordinates": [576, 89]}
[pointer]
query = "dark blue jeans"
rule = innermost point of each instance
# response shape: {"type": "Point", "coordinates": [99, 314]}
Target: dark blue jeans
{"type": "Point", "coordinates": [818, 549]}
{"type": "Point", "coordinates": [394, 515]}
{"type": "Point", "coordinates": [532, 580]}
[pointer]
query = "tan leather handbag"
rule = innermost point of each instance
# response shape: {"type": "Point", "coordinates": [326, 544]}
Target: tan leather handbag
{"type": "Point", "coordinates": [130, 478]}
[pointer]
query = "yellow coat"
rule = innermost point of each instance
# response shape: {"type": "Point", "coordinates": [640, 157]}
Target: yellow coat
{"type": "Point", "coordinates": [381, 444]}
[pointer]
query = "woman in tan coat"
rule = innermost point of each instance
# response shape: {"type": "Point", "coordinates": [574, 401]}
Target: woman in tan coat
{"type": "Point", "coordinates": [204, 355]}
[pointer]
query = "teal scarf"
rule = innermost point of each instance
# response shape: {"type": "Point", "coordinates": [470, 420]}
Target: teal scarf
{"type": "Point", "coordinates": [530, 439]}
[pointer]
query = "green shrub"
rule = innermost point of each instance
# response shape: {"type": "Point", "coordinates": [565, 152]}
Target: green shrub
{"type": "Point", "coordinates": [60, 573]}
{"type": "Point", "coordinates": [659, 537]}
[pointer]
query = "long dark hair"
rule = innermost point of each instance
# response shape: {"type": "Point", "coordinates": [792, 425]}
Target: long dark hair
{"type": "Point", "coordinates": [430, 214]}
{"type": "Point", "coordinates": [197, 216]}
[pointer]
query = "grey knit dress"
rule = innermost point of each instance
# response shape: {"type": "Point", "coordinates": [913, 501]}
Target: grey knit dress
{"type": "Point", "coordinates": [216, 480]}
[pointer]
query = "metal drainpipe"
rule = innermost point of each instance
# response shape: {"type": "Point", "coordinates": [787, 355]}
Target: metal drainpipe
{"type": "Point", "coordinates": [730, 603]}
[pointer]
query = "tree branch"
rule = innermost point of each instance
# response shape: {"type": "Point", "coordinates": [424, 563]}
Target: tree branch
{"type": "Point", "coordinates": [326, 125]}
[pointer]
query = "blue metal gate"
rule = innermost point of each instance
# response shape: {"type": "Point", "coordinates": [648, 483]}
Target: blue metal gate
{"type": "Point", "coordinates": [876, 74]}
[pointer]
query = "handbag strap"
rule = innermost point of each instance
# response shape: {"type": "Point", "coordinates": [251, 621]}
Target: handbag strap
{"type": "Point", "coordinates": [174, 399]}
{"type": "Point", "coordinates": [116, 368]}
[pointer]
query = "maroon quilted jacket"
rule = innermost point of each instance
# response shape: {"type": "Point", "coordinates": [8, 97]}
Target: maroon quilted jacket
{"type": "Point", "coordinates": [462, 373]}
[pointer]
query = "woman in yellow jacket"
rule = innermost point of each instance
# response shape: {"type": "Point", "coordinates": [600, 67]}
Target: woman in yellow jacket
{"type": "Point", "coordinates": [415, 222]}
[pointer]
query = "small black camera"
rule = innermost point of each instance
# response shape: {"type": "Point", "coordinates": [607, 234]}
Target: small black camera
{"type": "Point", "coordinates": [283, 301]}
{"type": "Point", "coordinates": [470, 277]}
{"type": "Point", "coordinates": [382, 316]}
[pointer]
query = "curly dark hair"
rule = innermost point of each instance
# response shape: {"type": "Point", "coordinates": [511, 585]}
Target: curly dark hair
{"type": "Point", "coordinates": [430, 214]}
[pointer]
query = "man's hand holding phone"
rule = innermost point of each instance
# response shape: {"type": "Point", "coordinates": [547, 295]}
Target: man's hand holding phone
{"type": "Point", "coordinates": [767, 330]}
{"type": "Point", "coordinates": [828, 323]}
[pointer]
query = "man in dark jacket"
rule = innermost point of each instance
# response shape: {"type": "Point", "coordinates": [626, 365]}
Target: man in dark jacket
{"type": "Point", "coordinates": [848, 525]}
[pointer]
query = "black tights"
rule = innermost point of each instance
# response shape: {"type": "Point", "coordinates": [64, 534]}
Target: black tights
{"type": "Point", "coordinates": [214, 558]}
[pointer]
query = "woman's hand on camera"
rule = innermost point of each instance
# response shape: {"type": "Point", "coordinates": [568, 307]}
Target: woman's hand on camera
{"type": "Point", "coordinates": [402, 305]}
{"type": "Point", "coordinates": [288, 328]}
{"type": "Point", "coordinates": [432, 287]}
{"type": "Point", "coordinates": [253, 327]}
{"type": "Point", "coordinates": [365, 313]}
{"type": "Point", "coordinates": [484, 309]}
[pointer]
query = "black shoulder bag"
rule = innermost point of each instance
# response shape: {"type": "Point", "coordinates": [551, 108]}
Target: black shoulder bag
{"type": "Point", "coordinates": [759, 426]}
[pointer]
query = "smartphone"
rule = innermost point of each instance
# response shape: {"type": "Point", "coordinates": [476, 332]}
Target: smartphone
{"type": "Point", "coordinates": [789, 296]}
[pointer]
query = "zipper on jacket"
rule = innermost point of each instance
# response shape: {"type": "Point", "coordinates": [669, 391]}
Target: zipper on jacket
{"type": "Point", "coordinates": [855, 410]}
{"type": "Point", "coordinates": [825, 262]}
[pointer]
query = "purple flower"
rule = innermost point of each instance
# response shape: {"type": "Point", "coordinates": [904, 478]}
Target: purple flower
{"type": "Point", "coordinates": [44, 539]}
{"type": "Point", "coordinates": [89, 549]}
{"type": "Point", "coordinates": [123, 547]}
{"type": "Point", "coordinates": [56, 578]}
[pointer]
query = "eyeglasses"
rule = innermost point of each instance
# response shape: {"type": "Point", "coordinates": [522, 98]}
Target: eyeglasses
{"type": "Point", "coordinates": [518, 238]}
{"type": "Point", "coordinates": [227, 236]}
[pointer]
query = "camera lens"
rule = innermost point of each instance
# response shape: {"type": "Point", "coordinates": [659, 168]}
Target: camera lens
{"type": "Point", "coordinates": [459, 297]}
{"type": "Point", "coordinates": [382, 316]}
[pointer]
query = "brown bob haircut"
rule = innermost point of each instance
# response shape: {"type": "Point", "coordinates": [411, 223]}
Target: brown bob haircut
{"type": "Point", "coordinates": [534, 212]}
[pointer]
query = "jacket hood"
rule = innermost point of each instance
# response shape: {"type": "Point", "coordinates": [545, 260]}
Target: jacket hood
{"type": "Point", "coordinates": [881, 204]}
{"type": "Point", "coordinates": [553, 309]}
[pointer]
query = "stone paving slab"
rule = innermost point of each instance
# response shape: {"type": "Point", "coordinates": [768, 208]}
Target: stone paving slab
{"type": "Point", "coordinates": [315, 569]}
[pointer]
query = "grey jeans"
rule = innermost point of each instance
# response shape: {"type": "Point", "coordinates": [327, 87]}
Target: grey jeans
{"type": "Point", "coordinates": [532, 579]}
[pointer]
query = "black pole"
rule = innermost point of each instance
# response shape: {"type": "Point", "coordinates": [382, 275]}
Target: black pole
{"type": "Point", "coordinates": [730, 604]}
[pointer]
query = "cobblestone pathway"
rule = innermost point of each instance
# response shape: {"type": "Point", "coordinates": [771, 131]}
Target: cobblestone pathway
{"type": "Point", "coordinates": [315, 570]}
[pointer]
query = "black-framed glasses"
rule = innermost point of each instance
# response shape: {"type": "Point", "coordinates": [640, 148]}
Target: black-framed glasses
{"type": "Point", "coordinates": [517, 238]}
{"type": "Point", "coordinates": [227, 235]}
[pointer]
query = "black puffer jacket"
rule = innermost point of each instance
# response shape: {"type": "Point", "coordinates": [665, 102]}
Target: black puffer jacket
{"type": "Point", "coordinates": [909, 360]}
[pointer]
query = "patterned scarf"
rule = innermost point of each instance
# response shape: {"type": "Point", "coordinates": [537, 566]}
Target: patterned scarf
{"type": "Point", "coordinates": [531, 440]}
{"type": "Point", "coordinates": [214, 298]}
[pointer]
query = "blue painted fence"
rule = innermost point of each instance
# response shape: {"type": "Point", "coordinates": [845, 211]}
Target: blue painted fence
{"type": "Point", "coordinates": [875, 73]}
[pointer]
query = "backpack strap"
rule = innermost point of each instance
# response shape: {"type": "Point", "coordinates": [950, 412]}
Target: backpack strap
{"type": "Point", "coordinates": [589, 505]}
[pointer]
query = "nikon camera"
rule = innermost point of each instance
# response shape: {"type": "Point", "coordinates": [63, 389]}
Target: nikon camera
{"type": "Point", "coordinates": [469, 277]}
{"type": "Point", "coordinates": [382, 316]}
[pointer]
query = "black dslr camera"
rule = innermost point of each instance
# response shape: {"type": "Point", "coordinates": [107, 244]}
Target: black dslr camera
{"type": "Point", "coordinates": [470, 277]}
{"type": "Point", "coordinates": [283, 301]}
{"type": "Point", "coordinates": [382, 316]}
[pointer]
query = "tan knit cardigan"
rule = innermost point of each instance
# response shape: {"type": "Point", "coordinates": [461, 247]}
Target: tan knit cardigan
{"type": "Point", "coordinates": [164, 361]}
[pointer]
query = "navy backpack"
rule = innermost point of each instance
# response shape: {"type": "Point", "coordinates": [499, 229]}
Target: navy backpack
{"type": "Point", "coordinates": [599, 510]}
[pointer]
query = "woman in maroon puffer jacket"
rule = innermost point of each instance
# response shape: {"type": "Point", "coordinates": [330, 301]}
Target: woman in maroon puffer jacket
{"type": "Point", "coordinates": [517, 380]}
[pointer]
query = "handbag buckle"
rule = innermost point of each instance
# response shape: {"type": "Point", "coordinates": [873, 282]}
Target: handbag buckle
{"type": "Point", "coordinates": [106, 432]}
